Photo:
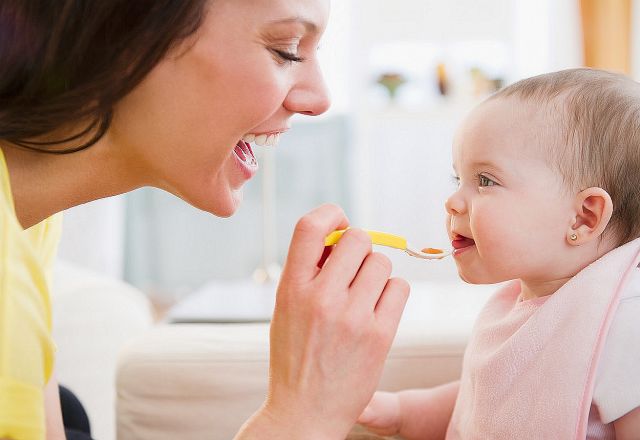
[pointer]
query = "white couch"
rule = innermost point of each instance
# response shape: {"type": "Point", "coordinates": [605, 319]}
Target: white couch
{"type": "Point", "coordinates": [93, 318]}
{"type": "Point", "coordinates": [197, 381]}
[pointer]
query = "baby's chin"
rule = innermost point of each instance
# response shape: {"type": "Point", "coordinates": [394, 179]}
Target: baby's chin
{"type": "Point", "coordinates": [471, 277]}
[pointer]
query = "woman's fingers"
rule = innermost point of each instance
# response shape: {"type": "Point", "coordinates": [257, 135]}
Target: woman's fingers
{"type": "Point", "coordinates": [346, 259]}
{"type": "Point", "coordinates": [391, 305]}
{"type": "Point", "coordinates": [307, 244]}
{"type": "Point", "coordinates": [370, 281]}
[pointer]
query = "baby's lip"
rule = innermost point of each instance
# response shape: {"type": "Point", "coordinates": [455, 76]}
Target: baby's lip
{"type": "Point", "coordinates": [460, 241]}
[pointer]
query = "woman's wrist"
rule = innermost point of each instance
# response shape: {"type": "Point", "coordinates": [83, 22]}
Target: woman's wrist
{"type": "Point", "coordinates": [287, 425]}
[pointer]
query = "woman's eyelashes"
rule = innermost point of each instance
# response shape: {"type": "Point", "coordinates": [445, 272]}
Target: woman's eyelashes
{"type": "Point", "coordinates": [287, 56]}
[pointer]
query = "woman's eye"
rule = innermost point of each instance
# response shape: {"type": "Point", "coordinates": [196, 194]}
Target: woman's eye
{"type": "Point", "coordinates": [287, 56]}
{"type": "Point", "coordinates": [456, 180]}
{"type": "Point", "coordinates": [485, 181]}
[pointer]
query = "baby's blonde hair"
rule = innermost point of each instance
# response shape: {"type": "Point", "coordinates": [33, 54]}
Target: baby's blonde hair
{"type": "Point", "coordinates": [598, 116]}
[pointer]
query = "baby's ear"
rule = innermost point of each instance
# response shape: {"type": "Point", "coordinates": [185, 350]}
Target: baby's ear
{"type": "Point", "coordinates": [593, 213]}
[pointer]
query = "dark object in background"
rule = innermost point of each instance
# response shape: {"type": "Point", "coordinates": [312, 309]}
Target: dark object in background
{"type": "Point", "coordinates": [74, 417]}
{"type": "Point", "coordinates": [443, 81]}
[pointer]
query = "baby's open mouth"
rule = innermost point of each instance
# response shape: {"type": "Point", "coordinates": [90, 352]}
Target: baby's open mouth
{"type": "Point", "coordinates": [461, 242]}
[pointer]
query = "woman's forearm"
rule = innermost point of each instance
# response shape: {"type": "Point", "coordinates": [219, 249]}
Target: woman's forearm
{"type": "Point", "coordinates": [426, 412]}
{"type": "Point", "coordinates": [54, 425]}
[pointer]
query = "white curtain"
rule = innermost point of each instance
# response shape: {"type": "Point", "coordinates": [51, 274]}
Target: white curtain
{"type": "Point", "coordinates": [547, 36]}
{"type": "Point", "coordinates": [93, 236]}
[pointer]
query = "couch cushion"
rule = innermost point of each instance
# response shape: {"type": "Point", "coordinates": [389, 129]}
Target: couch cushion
{"type": "Point", "coordinates": [93, 317]}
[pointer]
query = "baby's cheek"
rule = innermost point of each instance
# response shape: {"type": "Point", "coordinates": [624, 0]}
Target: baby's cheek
{"type": "Point", "coordinates": [497, 244]}
{"type": "Point", "coordinates": [487, 232]}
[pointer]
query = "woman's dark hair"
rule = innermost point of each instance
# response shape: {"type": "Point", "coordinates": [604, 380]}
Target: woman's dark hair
{"type": "Point", "coordinates": [65, 61]}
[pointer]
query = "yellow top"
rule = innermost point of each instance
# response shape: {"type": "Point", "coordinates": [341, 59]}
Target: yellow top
{"type": "Point", "coordinates": [26, 346]}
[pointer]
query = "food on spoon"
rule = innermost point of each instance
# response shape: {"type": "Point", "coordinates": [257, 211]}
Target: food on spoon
{"type": "Point", "coordinates": [432, 251]}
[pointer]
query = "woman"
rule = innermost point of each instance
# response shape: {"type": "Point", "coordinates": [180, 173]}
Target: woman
{"type": "Point", "coordinates": [100, 98]}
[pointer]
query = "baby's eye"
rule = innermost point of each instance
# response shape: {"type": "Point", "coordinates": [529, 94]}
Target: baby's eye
{"type": "Point", "coordinates": [456, 180]}
{"type": "Point", "coordinates": [485, 181]}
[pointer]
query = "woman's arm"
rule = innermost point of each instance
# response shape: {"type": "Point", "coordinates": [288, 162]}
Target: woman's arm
{"type": "Point", "coordinates": [330, 334]}
{"type": "Point", "coordinates": [628, 426]}
{"type": "Point", "coordinates": [54, 426]}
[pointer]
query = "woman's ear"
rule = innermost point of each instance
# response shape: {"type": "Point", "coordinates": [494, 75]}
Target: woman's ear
{"type": "Point", "coordinates": [593, 213]}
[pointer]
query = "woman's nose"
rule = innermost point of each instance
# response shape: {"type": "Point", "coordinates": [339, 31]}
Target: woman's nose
{"type": "Point", "coordinates": [455, 204]}
{"type": "Point", "coordinates": [309, 95]}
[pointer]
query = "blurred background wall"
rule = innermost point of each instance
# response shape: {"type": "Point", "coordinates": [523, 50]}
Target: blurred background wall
{"type": "Point", "coordinates": [402, 76]}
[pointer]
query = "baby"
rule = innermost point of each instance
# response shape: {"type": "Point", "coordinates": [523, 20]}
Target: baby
{"type": "Point", "coordinates": [548, 199]}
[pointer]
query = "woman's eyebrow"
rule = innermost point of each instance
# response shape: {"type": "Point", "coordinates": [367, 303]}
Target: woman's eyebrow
{"type": "Point", "coordinates": [308, 24]}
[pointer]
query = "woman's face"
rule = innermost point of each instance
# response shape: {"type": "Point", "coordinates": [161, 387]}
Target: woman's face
{"type": "Point", "coordinates": [248, 69]}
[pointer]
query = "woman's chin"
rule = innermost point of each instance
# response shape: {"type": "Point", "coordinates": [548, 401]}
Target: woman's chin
{"type": "Point", "coordinates": [220, 205]}
{"type": "Point", "coordinates": [220, 194]}
{"type": "Point", "coordinates": [226, 206]}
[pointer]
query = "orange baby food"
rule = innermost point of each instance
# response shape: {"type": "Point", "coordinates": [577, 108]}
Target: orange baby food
{"type": "Point", "coordinates": [432, 251]}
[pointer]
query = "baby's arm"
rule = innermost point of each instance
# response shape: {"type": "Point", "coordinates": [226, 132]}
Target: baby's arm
{"type": "Point", "coordinates": [628, 426]}
{"type": "Point", "coordinates": [414, 414]}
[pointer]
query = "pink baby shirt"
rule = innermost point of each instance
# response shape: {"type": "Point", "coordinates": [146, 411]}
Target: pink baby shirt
{"type": "Point", "coordinates": [530, 367]}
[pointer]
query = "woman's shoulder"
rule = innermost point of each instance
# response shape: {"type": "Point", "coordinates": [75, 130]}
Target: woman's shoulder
{"type": "Point", "coordinates": [6, 199]}
{"type": "Point", "coordinates": [43, 237]}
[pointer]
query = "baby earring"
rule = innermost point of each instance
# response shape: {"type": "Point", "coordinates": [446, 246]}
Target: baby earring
{"type": "Point", "coordinates": [573, 237]}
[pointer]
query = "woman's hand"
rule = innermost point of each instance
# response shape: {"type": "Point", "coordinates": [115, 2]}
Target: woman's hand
{"type": "Point", "coordinates": [330, 334]}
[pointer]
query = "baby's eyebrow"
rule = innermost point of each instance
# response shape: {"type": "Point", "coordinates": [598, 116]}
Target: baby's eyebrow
{"type": "Point", "coordinates": [483, 164]}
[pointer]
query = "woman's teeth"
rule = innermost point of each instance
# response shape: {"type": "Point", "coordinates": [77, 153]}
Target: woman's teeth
{"type": "Point", "coordinates": [264, 140]}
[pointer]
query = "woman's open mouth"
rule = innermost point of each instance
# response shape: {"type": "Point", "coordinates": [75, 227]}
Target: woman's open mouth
{"type": "Point", "coordinates": [244, 154]}
{"type": "Point", "coordinates": [461, 244]}
{"type": "Point", "coordinates": [264, 139]}
{"type": "Point", "coordinates": [245, 158]}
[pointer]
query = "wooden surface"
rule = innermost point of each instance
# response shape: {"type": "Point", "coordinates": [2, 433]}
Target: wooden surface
{"type": "Point", "coordinates": [606, 26]}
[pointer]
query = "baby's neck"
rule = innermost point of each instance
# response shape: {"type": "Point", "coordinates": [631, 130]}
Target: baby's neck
{"type": "Point", "coordinates": [580, 258]}
{"type": "Point", "coordinates": [540, 288]}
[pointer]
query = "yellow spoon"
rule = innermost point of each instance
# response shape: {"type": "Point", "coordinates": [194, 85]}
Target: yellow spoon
{"type": "Point", "coordinates": [393, 241]}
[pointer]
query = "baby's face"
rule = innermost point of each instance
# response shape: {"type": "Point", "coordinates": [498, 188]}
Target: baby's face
{"type": "Point", "coordinates": [509, 215]}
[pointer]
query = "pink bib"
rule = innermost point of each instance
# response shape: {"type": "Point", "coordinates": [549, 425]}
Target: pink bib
{"type": "Point", "coordinates": [535, 380]}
